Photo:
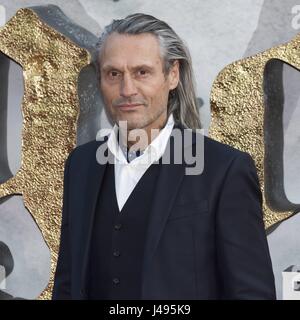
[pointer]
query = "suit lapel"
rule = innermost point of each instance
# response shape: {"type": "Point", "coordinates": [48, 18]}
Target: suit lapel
{"type": "Point", "coordinates": [96, 173]}
{"type": "Point", "coordinates": [169, 181]}
{"type": "Point", "coordinates": [168, 184]}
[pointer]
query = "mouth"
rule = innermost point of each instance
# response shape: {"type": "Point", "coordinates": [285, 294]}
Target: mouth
{"type": "Point", "coordinates": [128, 106]}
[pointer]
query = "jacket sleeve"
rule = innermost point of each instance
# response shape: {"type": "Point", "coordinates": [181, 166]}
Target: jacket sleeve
{"type": "Point", "coordinates": [243, 257]}
{"type": "Point", "coordinates": [62, 278]}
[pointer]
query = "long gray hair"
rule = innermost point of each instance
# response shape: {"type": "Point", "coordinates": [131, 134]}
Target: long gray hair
{"type": "Point", "coordinates": [182, 100]}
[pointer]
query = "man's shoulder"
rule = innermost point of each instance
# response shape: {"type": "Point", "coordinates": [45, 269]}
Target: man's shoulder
{"type": "Point", "coordinates": [220, 149]}
{"type": "Point", "coordinates": [223, 156]}
{"type": "Point", "coordinates": [86, 150]}
{"type": "Point", "coordinates": [214, 148]}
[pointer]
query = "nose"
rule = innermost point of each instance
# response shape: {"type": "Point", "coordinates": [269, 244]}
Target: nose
{"type": "Point", "coordinates": [128, 87]}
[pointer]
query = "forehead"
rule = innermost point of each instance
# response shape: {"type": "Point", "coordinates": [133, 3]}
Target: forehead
{"type": "Point", "coordinates": [130, 50]}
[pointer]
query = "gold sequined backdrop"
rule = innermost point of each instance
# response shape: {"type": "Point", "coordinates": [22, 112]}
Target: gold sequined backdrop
{"type": "Point", "coordinates": [51, 64]}
{"type": "Point", "coordinates": [237, 105]}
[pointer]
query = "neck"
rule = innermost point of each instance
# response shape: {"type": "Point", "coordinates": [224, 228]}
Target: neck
{"type": "Point", "coordinates": [139, 140]}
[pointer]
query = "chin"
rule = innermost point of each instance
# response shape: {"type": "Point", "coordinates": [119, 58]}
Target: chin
{"type": "Point", "coordinates": [133, 123]}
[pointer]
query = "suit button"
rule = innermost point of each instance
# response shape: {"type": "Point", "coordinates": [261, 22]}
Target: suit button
{"type": "Point", "coordinates": [118, 226]}
{"type": "Point", "coordinates": [116, 280]}
{"type": "Point", "coordinates": [116, 253]}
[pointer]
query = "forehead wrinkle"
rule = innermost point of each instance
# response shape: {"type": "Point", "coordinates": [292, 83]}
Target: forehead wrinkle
{"type": "Point", "coordinates": [110, 43]}
{"type": "Point", "coordinates": [110, 66]}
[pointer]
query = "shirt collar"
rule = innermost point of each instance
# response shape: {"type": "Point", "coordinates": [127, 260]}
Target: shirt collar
{"type": "Point", "coordinates": [153, 151]}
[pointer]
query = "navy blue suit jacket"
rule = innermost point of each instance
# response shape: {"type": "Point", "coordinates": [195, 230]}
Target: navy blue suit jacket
{"type": "Point", "coordinates": [205, 239]}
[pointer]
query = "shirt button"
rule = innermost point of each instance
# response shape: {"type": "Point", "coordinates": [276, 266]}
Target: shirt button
{"type": "Point", "coordinates": [116, 280]}
{"type": "Point", "coordinates": [116, 253]}
{"type": "Point", "coordinates": [118, 226]}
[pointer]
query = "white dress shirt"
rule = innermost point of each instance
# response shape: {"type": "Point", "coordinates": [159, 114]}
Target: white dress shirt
{"type": "Point", "coordinates": [127, 174]}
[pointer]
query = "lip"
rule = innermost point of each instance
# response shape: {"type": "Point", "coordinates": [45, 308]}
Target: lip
{"type": "Point", "coordinates": [128, 106]}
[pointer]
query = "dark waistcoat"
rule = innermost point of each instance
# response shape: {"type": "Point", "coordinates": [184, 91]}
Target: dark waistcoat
{"type": "Point", "coordinates": [118, 238]}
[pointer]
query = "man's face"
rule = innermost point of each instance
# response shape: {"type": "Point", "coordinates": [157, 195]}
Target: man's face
{"type": "Point", "coordinates": [133, 85]}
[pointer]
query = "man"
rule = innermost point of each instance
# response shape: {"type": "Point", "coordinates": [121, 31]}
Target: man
{"type": "Point", "coordinates": [136, 229]}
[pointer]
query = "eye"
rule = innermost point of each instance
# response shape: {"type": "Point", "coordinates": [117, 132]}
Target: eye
{"type": "Point", "coordinates": [143, 72]}
{"type": "Point", "coordinates": [113, 74]}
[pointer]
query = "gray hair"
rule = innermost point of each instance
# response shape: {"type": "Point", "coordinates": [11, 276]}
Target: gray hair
{"type": "Point", "coordinates": [182, 100]}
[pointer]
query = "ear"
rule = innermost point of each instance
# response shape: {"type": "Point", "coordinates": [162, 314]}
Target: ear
{"type": "Point", "coordinates": [174, 75]}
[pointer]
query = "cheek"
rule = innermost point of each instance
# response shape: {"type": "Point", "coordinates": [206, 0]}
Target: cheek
{"type": "Point", "coordinates": [160, 95]}
{"type": "Point", "coordinates": [155, 92]}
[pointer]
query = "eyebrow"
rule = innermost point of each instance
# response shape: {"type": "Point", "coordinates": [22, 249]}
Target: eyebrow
{"type": "Point", "coordinates": [111, 67]}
